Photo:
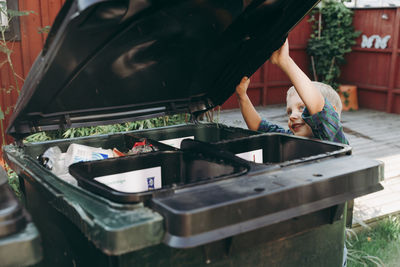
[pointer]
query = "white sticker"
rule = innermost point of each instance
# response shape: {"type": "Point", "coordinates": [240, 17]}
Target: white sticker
{"type": "Point", "coordinates": [176, 142]}
{"type": "Point", "coordinates": [133, 181]}
{"type": "Point", "coordinates": [255, 156]}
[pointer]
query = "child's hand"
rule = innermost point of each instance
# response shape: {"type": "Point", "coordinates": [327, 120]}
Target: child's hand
{"type": "Point", "coordinates": [280, 56]}
{"type": "Point", "coordinates": [241, 88]}
{"type": "Point", "coordinates": [249, 113]}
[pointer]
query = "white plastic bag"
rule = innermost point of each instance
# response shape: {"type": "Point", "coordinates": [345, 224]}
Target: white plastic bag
{"type": "Point", "coordinates": [78, 153]}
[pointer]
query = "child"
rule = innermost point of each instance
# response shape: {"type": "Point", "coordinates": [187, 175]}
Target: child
{"type": "Point", "coordinates": [313, 108]}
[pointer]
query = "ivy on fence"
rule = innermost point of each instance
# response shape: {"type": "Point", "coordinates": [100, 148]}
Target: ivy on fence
{"type": "Point", "coordinates": [332, 37]}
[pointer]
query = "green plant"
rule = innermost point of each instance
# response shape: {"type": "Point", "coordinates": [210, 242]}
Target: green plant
{"type": "Point", "coordinates": [107, 129]}
{"type": "Point", "coordinates": [45, 29]}
{"type": "Point", "coordinates": [4, 44]}
{"type": "Point", "coordinates": [13, 181]}
{"type": "Point", "coordinates": [376, 246]}
{"type": "Point", "coordinates": [331, 39]}
{"type": "Point", "coordinates": [6, 49]}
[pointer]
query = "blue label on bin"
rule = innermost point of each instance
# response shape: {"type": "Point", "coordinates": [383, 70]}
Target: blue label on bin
{"type": "Point", "coordinates": [150, 183]}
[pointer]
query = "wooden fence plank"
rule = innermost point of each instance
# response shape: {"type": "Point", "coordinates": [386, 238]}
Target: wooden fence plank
{"type": "Point", "coordinates": [393, 61]}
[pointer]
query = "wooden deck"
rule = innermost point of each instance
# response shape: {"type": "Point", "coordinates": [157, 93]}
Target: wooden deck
{"type": "Point", "coordinates": [372, 134]}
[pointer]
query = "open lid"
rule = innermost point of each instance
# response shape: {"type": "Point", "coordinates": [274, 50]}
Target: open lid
{"type": "Point", "coordinates": [112, 61]}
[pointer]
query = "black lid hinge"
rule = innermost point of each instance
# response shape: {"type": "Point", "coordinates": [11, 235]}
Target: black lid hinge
{"type": "Point", "coordinates": [194, 118]}
{"type": "Point", "coordinates": [34, 128]}
{"type": "Point", "coordinates": [19, 142]}
{"type": "Point", "coordinates": [67, 121]}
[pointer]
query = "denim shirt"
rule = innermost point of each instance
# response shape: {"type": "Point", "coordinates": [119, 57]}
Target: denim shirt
{"type": "Point", "coordinates": [325, 125]}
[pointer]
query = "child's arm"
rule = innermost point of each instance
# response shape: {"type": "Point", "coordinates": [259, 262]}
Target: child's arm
{"type": "Point", "coordinates": [310, 95]}
{"type": "Point", "coordinates": [249, 113]}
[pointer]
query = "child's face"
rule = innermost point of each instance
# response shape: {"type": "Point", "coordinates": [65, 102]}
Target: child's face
{"type": "Point", "coordinates": [294, 108]}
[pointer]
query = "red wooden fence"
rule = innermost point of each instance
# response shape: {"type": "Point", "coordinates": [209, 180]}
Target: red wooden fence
{"type": "Point", "coordinates": [26, 50]}
{"type": "Point", "coordinates": [374, 71]}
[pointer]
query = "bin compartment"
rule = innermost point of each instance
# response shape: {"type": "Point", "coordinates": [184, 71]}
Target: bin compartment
{"type": "Point", "coordinates": [123, 142]}
{"type": "Point", "coordinates": [280, 148]}
{"type": "Point", "coordinates": [206, 132]}
{"type": "Point", "coordinates": [119, 179]}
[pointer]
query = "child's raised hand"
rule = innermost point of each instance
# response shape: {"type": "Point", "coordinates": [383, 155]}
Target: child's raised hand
{"type": "Point", "coordinates": [241, 88]}
{"type": "Point", "coordinates": [249, 113]}
{"type": "Point", "coordinates": [280, 56]}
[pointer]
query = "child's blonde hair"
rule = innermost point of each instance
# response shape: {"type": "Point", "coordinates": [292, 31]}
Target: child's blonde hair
{"type": "Point", "coordinates": [327, 91]}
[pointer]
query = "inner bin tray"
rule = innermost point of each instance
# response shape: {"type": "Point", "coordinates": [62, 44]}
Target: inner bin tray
{"type": "Point", "coordinates": [176, 168]}
{"type": "Point", "coordinates": [205, 132]}
{"type": "Point", "coordinates": [282, 149]}
{"type": "Point", "coordinates": [122, 141]}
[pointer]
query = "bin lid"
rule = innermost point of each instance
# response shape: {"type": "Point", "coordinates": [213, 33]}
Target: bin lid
{"type": "Point", "coordinates": [108, 61]}
{"type": "Point", "coordinates": [12, 215]}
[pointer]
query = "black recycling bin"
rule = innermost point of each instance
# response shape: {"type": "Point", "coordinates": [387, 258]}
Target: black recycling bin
{"type": "Point", "coordinates": [213, 207]}
{"type": "Point", "coordinates": [210, 194]}
{"type": "Point", "coordinates": [19, 239]}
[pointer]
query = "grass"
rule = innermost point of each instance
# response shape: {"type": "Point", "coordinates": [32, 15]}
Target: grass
{"type": "Point", "coordinates": [377, 246]}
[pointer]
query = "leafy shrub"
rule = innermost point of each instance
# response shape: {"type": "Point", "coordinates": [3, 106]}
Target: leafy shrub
{"type": "Point", "coordinates": [332, 37]}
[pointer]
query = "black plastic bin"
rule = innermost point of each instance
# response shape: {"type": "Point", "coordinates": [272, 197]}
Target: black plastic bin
{"type": "Point", "coordinates": [241, 215]}
{"type": "Point", "coordinates": [107, 62]}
